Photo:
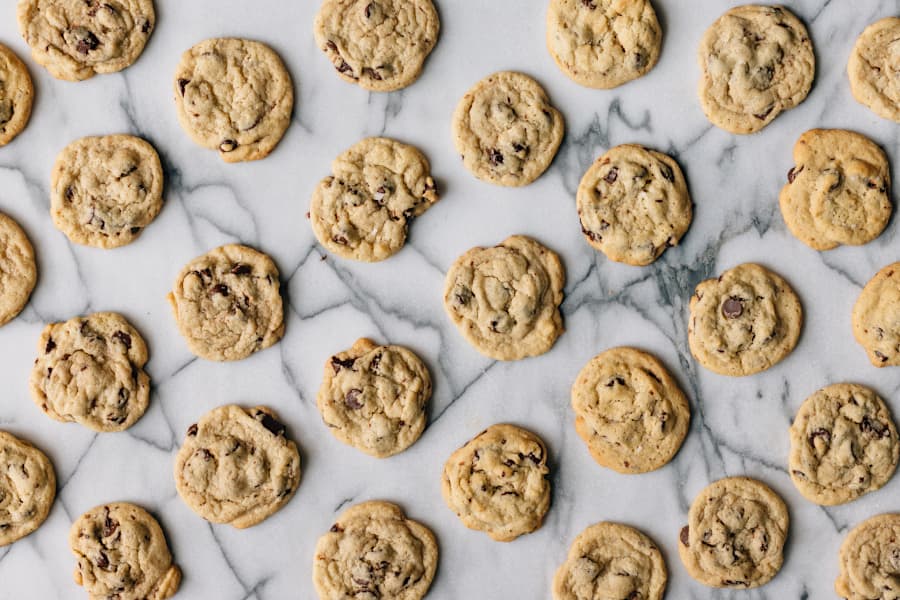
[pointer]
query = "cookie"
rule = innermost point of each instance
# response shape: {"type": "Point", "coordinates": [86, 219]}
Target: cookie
{"type": "Point", "coordinates": [633, 203]}
{"type": "Point", "coordinates": [122, 553]}
{"type": "Point", "coordinates": [609, 560]}
{"type": "Point", "coordinates": [505, 300]}
{"type": "Point", "coordinates": [105, 190]}
{"type": "Point", "coordinates": [77, 39]}
{"type": "Point", "coordinates": [90, 370]}
{"type": "Point", "coordinates": [735, 534]}
{"type": "Point", "coordinates": [603, 43]}
{"type": "Point", "coordinates": [363, 209]}
{"type": "Point", "coordinates": [498, 482]}
{"type": "Point", "coordinates": [27, 488]}
{"type": "Point", "coordinates": [839, 190]}
{"type": "Point", "coordinates": [629, 411]}
{"type": "Point", "coordinates": [373, 397]}
{"type": "Point", "coordinates": [869, 560]}
{"type": "Point", "coordinates": [873, 67]}
{"type": "Point", "coordinates": [236, 466]}
{"type": "Point", "coordinates": [743, 322]}
{"type": "Point", "coordinates": [227, 303]}
{"type": "Point", "coordinates": [876, 317]}
{"type": "Point", "coordinates": [379, 45]}
{"type": "Point", "coordinates": [374, 551]}
{"type": "Point", "coordinates": [16, 95]}
{"type": "Point", "coordinates": [756, 62]}
{"type": "Point", "coordinates": [234, 96]}
{"type": "Point", "coordinates": [18, 270]}
{"type": "Point", "coordinates": [506, 129]}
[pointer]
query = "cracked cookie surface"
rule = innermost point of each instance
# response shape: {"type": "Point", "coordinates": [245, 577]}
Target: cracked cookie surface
{"type": "Point", "coordinates": [16, 95]}
{"type": "Point", "coordinates": [27, 488]}
{"type": "Point", "coordinates": [870, 560]}
{"type": "Point", "coordinates": [18, 270]}
{"type": "Point", "coordinates": [876, 317]}
{"type": "Point", "coordinates": [874, 68]}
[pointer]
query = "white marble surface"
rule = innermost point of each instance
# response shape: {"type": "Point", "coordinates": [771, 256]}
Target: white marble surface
{"type": "Point", "coordinates": [739, 427]}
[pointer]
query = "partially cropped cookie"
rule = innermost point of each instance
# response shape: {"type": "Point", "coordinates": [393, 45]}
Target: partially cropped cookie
{"type": "Point", "coordinates": [374, 551]}
{"type": "Point", "coordinates": [234, 96]}
{"type": "Point", "coordinates": [27, 488]}
{"type": "Point", "coordinates": [77, 39]}
{"type": "Point", "coordinates": [629, 411]}
{"type": "Point", "coordinates": [373, 397]}
{"type": "Point", "coordinates": [18, 270]}
{"type": "Point", "coordinates": [237, 466]}
{"type": "Point", "coordinates": [506, 129]}
{"type": "Point", "coordinates": [874, 66]}
{"type": "Point", "coordinates": [735, 534]}
{"type": "Point", "coordinates": [363, 209]}
{"type": "Point", "coordinates": [743, 322]}
{"type": "Point", "coordinates": [122, 553]}
{"type": "Point", "coordinates": [498, 482]}
{"type": "Point", "coordinates": [90, 370]}
{"type": "Point", "coordinates": [868, 560]}
{"type": "Point", "coordinates": [876, 317]}
{"type": "Point", "coordinates": [609, 560]}
{"type": "Point", "coordinates": [633, 203]}
{"type": "Point", "coordinates": [380, 45]}
{"type": "Point", "coordinates": [105, 190]}
{"type": "Point", "coordinates": [757, 61]}
{"type": "Point", "coordinates": [16, 95]}
{"type": "Point", "coordinates": [505, 299]}
{"type": "Point", "coordinates": [227, 303]}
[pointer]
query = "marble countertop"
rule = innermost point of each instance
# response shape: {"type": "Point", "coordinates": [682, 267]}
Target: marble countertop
{"type": "Point", "coordinates": [739, 425]}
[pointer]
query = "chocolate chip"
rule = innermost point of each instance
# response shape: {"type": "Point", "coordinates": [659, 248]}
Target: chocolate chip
{"type": "Point", "coordinates": [762, 116]}
{"type": "Point", "coordinates": [273, 425]}
{"type": "Point", "coordinates": [376, 360]}
{"type": "Point", "coordinates": [134, 230]}
{"type": "Point", "coordinates": [145, 27]}
{"type": "Point", "coordinates": [124, 338]}
{"type": "Point", "coordinates": [733, 307]}
{"type": "Point", "coordinates": [593, 236]}
{"type": "Point", "coordinates": [207, 455]}
{"type": "Point", "coordinates": [228, 146]}
{"type": "Point", "coordinates": [70, 193]}
{"type": "Point", "coordinates": [329, 45]}
{"type": "Point", "coordinates": [343, 67]}
{"type": "Point", "coordinates": [495, 156]}
{"type": "Point", "coordinates": [351, 399]}
{"type": "Point", "coordinates": [192, 430]}
{"type": "Point", "coordinates": [371, 73]}
{"type": "Point", "coordinates": [220, 288]}
{"type": "Point", "coordinates": [109, 526]}
{"type": "Point", "coordinates": [667, 172]}
{"type": "Point", "coordinates": [337, 528]}
{"type": "Point", "coordinates": [589, 4]}
{"type": "Point", "coordinates": [874, 427]}
{"type": "Point", "coordinates": [519, 147]}
{"type": "Point", "coordinates": [612, 175]}
{"type": "Point", "coordinates": [50, 345]}
{"type": "Point", "coordinates": [337, 364]}
{"type": "Point", "coordinates": [241, 269]}
{"type": "Point", "coordinates": [822, 433]}
{"type": "Point", "coordinates": [339, 239]}
{"type": "Point", "coordinates": [684, 536]}
{"type": "Point", "coordinates": [463, 296]}
{"type": "Point", "coordinates": [102, 560]}
{"type": "Point", "coordinates": [881, 356]}
{"type": "Point", "coordinates": [182, 83]}
{"type": "Point", "coordinates": [87, 42]}
{"type": "Point", "coordinates": [792, 174]}
{"type": "Point", "coordinates": [368, 10]}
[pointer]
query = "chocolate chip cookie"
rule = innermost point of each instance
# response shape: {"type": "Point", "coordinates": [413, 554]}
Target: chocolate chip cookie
{"type": "Point", "coordinates": [629, 411]}
{"type": "Point", "coordinates": [373, 397]}
{"type": "Point", "coordinates": [227, 303]}
{"type": "Point", "coordinates": [122, 553]}
{"type": "Point", "coordinates": [870, 560]}
{"type": "Point", "coordinates": [876, 317]}
{"type": "Point", "coordinates": [374, 551]}
{"type": "Point", "coordinates": [16, 95]}
{"type": "Point", "coordinates": [379, 45]}
{"type": "Point", "coordinates": [735, 534]}
{"type": "Point", "coordinates": [90, 370]}
{"type": "Point", "coordinates": [609, 560]}
{"type": "Point", "coordinates": [743, 322]}
{"type": "Point", "coordinates": [506, 129]}
{"type": "Point", "coordinates": [363, 210]}
{"type": "Point", "coordinates": [236, 466]}
{"type": "Point", "coordinates": [18, 270]}
{"type": "Point", "coordinates": [633, 203]}
{"type": "Point", "coordinates": [756, 62]}
{"type": "Point", "coordinates": [27, 488]}
{"type": "Point", "coordinates": [77, 39]}
{"type": "Point", "coordinates": [498, 482]}
{"type": "Point", "coordinates": [234, 96]}
{"type": "Point", "coordinates": [874, 68]}
{"type": "Point", "coordinates": [105, 190]}
{"type": "Point", "coordinates": [505, 300]}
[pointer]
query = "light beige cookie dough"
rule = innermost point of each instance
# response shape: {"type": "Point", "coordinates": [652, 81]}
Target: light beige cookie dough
{"type": "Point", "coordinates": [18, 270]}
{"type": "Point", "coordinates": [16, 95]}
{"type": "Point", "coordinates": [874, 68]}
{"type": "Point", "coordinates": [27, 488]}
{"type": "Point", "coordinates": [868, 560]}
{"type": "Point", "coordinates": [876, 317]}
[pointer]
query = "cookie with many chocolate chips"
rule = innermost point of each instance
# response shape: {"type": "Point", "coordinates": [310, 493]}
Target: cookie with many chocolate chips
{"type": "Point", "coordinates": [874, 68]}
{"type": "Point", "coordinates": [18, 270]}
{"type": "Point", "coordinates": [90, 370]}
{"type": "Point", "coordinates": [77, 39]}
{"type": "Point", "coordinates": [735, 534]}
{"type": "Point", "coordinates": [374, 551]}
{"type": "Point", "coordinates": [869, 560]}
{"type": "Point", "coordinates": [876, 317]}
{"type": "Point", "coordinates": [16, 95]}
{"type": "Point", "coordinates": [27, 488]}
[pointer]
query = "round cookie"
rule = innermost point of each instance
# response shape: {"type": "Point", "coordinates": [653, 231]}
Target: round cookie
{"type": "Point", "coordinates": [633, 203]}
{"type": "Point", "coordinates": [363, 210]}
{"type": "Point", "coordinates": [16, 95]}
{"type": "Point", "coordinates": [18, 270]}
{"type": "Point", "coordinates": [629, 411]}
{"type": "Point", "coordinates": [498, 482]}
{"type": "Point", "coordinates": [373, 397]}
{"type": "Point", "coordinates": [227, 303]}
{"type": "Point", "coordinates": [505, 299]}
{"type": "Point", "coordinates": [77, 39]}
{"type": "Point", "coordinates": [756, 62]}
{"type": "Point", "coordinates": [506, 129]}
{"type": "Point", "coordinates": [743, 322]}
{"type": "Point", "coordinates": [603, 43]}
{"type": "Point", "coordinates": [105, 190]}
{"type": "Point", "coordinates": [378, 45]}
{"type": "Point", "coordinates": [876, 317]}
{"type": "Point", "coordinates": [843, 444]}
{"type": "Point", "coordinates": [838, 192]}
{"type": "Point", "coordinates": [873, 68]}
{"type": "Point", "coordinates": [122, 553]}
{"type": "Point", "coordinates": [27, 488]}
{"type": "Point", "coordinates": [735, 534]}
{"type": "Point", "coordinates": [236, 466]}
{"type": "Point", "coordinates": [609, 560]}
{"type": "Point", "coordinates": [868, 560]}
{"type": "Point", "coordinates": [234, 96]}
{"type": "Point", "coordinates": [90, 370]}
{"type": "Point", "coordinates": [374, 551]}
